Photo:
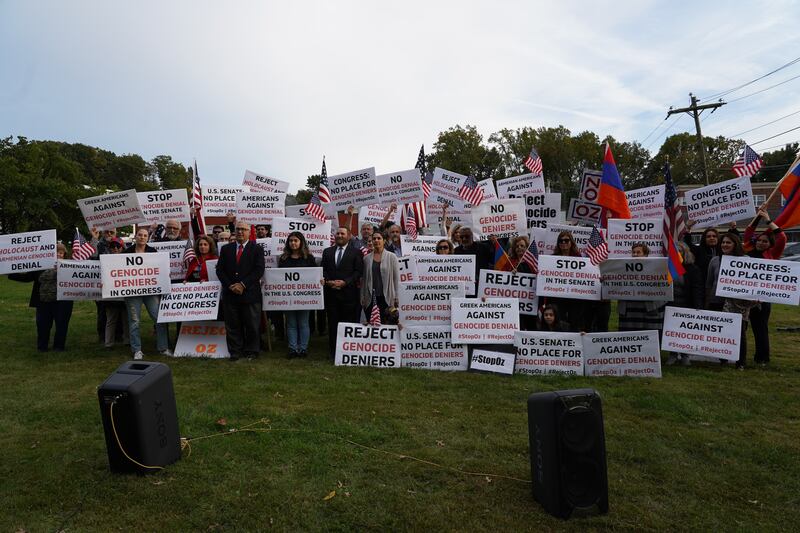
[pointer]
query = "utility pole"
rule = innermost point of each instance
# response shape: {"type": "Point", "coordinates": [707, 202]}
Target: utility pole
{"type": "Point", "coordinates": [694, 110]}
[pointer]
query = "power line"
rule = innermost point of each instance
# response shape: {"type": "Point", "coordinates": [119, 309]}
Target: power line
{"type": "Point", "coordinates": [772, 137]}
{"type": "Point", "coordinates": [762, 90]}
{"type": "Point", "coordinates": [654, 129]}
{"type": "Point", "coordinates": [672, 124]}
{"type": "Point", "coordinates": [782, 145]}
{"type": "Point", "coordinates": [761, 126]}
{"type": "Point", "coordinates": [723, 93]}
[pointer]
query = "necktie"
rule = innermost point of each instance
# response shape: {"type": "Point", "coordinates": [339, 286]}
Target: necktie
{"type": "Point", "coordinates": [339, 256]}
{"type": "Point", "coordinates": [239, 253]}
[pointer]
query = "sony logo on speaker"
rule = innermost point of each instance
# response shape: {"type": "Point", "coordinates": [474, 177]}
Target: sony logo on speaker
{"type": "Point", "coordinates": [161, 426]}
{"type": "Point", "coordinates": [539, 454]}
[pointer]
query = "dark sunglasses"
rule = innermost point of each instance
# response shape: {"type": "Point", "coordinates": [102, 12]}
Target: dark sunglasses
{"type": "Point", "coordinates": [563, 241]}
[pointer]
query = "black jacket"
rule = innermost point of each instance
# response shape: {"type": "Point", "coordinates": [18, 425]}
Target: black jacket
{"type": "Point", "coordinates": [247, 271]}
{"type": "Point", "coordinates": [350, 270]}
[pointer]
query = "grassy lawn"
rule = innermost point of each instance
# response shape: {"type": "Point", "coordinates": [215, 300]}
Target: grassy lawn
{"type": "Point", "coordinates": [704, 448]}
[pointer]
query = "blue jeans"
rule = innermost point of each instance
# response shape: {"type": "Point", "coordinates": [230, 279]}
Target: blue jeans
{"type": "Point", "coordinates": [134, 305]}
{"type": "Point", "coordinates": [297, 330]}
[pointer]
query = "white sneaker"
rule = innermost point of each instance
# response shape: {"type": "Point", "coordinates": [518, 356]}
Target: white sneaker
{"type": "Point", "coordinates": [138, 356]}
{"type": "Point", "coordinates": [167, 352]}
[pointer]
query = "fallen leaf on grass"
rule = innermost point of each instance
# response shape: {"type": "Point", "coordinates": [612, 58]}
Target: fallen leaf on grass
{"type": "Point", "coordinates": [440, 443]}
{"type": "Point", "coordinates": [488, 479]}
{"type": "Point", "coordinates": [339, 484]}
{"type": "Point", "coordinates": [754, 502]}
{"type": "Point", "coordinates": [159, 482]}
{"type": "Point", "coordinates": [330, 495]}
{"type": "Point", "coordinates": [326, 378]}
{"type": "Point", "coordinates": [222, 422]}
{"type": "Point", "coordinates": [278, 395]}
{"type": "Point", "coordinates": [347, 494]}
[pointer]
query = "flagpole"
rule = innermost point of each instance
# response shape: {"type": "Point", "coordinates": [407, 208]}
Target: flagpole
{"type": "Point", "coordinates": [777, 187]}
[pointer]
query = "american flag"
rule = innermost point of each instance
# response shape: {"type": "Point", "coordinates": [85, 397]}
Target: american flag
{"type": "Point", "coordinates": [471, 192]}
{"type": "Point", "coordinates": [375, 313]}
{"type": "Point", "coordinates": [674, 219]}
{"type": "Point", "coordinates": [533, 162]}
{"type": "Point", "coordinates": [324, 192]}
{"type": "Point", "coordinates": [81, 249]}
{"type": "Point", "coordinates": [314, 208]}
{"type": "Point", "coordinates": [411, 223]}
{"type": "Point", "coordinates": [188, 254]}
{"type": "Point", "coordinates": [196, 201]}
{"type": "Point", "coordinates": [362, 246]}
{"type": "Point", "coordinates": [531, 257]}
{"type": "Point", "coordinates": [597, 248]}
{"type": "Point", "coordinates": [748, 163]}
{"type": "Point", "coordinates": [420, 208]}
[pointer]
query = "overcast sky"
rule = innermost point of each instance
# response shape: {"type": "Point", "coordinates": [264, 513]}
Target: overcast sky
{"type": "Point", "coordinates": [272, 86]}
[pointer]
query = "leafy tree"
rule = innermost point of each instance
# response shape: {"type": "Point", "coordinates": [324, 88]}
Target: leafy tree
{"type": "Point", "coordinates": [777, 163]}
{"type": "Point", "coordinates": [169, 174]}
{"type": "Point", "coordinates": [686, 163]}
{"type": "Point", "coordinates": [461, 150]}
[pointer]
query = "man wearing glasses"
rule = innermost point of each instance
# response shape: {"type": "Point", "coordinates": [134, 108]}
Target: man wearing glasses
{"type": "Point", "coordinates": [172, 232]}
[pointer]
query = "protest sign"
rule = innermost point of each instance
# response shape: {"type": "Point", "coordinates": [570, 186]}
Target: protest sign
{"type": "Point", "coordinates": [624, 233]}
{"type": "Point", "coordinates": [487, 186]}
{"type": "Point", "coordinates": [427, 303]}
{"type": "Point", "coordinates": [354, 188]}
{"type": "Point", "coordinates": [126, 275]}
{"type": "Point", "coordinates": [493, 321]}
{"type": "Point", "coordinates": [636, 278]}
{"type": "Point", "coordinates": [501, 218]}
{"type": "Point", "coordinates": [422, 245]}
{"type": "Point", "coordinates": [202, 339]}
{"type": "Point", "coordinates": [630, 353]}
{"type": "Point", "coordinates": [543, 209]}
{"type": "Point", "coordinates": [447, 268]}
{"type": "Point", "coordinates": [27, 252]}
{"type": "Point", "coordinates": [358, 345]}
{"type": "Point", "coordinates": [458, 213]}
{"type": "Point", "coordinates": [78, 280]}
{"type": "Point", "coordinates": [403, 187]}
{"type": "Point", "coordinates": [540, 353]}
{"type": "Point", "coordinates": [219, 200]}
{"type": "Point", "coordinates": [113, 210]}
{"type": "Point", "coordinates": [175, 250]}
{"type": "Point", "coordinates": [292, 289]}
{"type": "Point", "coordinates": [497, 284]}
{"type": "Point", "coordinates": [647, 202]}
{"type": "Point", "coordinates": [518, 186]}
{"type": "Point", "coordinates": [255, 182]}
{"type": "Point", "coordinates": [590, 185]}
{"type": "Point", "coordinates": [493, 361]}
{"type": "Point", "coordinates": [317, 234]}
{"type": "Point", "coordinates": [160, 206]}
{"type": "Point", "coordinates": [568, 277]}
{"type": "Point", "coordinates": [299, 211]}
{"type": "Point", "coordinates": [374, 214]}
{"type": "Point", "coordinates": [408, 268]}
{"type": "Point", "coordinates": [270, 253]}
{"type": "Point", "coordinates": [547, 238]}
{"type": "Point", "coordinates": [583, 211]}
{"type": "Point", "coordinates": [259, 207]}
{"type": "Point", "coordinates": [707, 333]}
{"type": "Point", "coordinates": [189, 302]}
{"type": "Point", "coordinates": [763, 280]}
{"type": "Point", "coordinates": [445, 187]}
{"type": "Point", "coordinates": [429, 347]}
{"type": "Point", "coordinates": [211, 267]}
{"type": "Point", "coordinates": [721, 202]}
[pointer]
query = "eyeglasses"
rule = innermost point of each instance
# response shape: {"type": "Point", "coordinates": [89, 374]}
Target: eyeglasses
{"type": "Point", "coordinates": [242, 229]}
{"type": "Point", "coordinates": [563, 241]}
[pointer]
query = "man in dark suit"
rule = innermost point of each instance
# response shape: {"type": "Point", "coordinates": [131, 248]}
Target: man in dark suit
{"type": "Point", "coordinates": [240, 268]}
{"type": "Point", "coordinates": [342, 268]}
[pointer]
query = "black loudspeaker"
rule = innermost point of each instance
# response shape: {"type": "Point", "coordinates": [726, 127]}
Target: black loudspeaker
{"type": "Point", "coordinates": [568, 452]}
{"type": "Point", "coordinates": [140, 419]}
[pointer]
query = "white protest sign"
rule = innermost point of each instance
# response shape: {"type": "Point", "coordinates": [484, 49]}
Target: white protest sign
{"type": "Point", "coordinates": [292, 289]}
{"type": "Point", "coordinates": [568, 277]}
{"type": "Point", "coordinates": [78, 280]}
{"type": "Point", "coordinates": [211, 267]}
{"type": "Point", "coordinates": [763, 280]}
{"type": "Point", "coordinates": [543, 209]}
{"type": "Point", "coordinates": [547, 238]}
{"type": "Point", "coordinates": [160, 206]}
{"type": "Point", "coordinates": [317, 234]}
{"type": "Point", "coordinates": [112, 210]}
{"type": "Point", "coordinates": [707, 333]}
{"type": "Point", "coordinates": [219, 200]}
{"type": "Point", "coordinates": [427, 303]}
{"type": "Point", "coordinates": [27, 252]}
{"type": "Point", "coordinates": [374, 214]}
{"type": "Point", "coordinates": [259, 207]}
{"type": "Point", "coordinates": [540, 353]}
{"type": "Point", "coordinates": [202, 339]}
{"type": "Point", "coordinates": [629, 353]}
{"type": "Point", "coordinates": [260, 183]}
{"type": "Point", "coordinates": [518, 186]}
{"type": "Point", "coordinates": [721, 202]}
{"type": "Point", "coordinates": [270, 253]}
{"type": "Point", "coordinates": [590, 185]}
{"type": "Point", "coordinates": [624, 233]}
{"type": "Point", "coordinates": [583, 211]}
{"type": "Point", "coordinates": [501, 218]}
{"type": "Point", "coordinates": [445, 187]}
{"type": "Point", "coordinates": [403, 187]}
{"type": "Point", "coordinates": [429, 347]}
{"type": "Point", "coordinates": [493, 321]}
{"type": "Point", "coordinates": [354, 188]}
{"type": "Point", "coordinates": [175, 250]}
{"type": "Point", "coordinates": [636, 278]}
{"type": "Point", "coordinates": [299, 211]}
{"type": "Point", "coordinates": [189, 302]}
{"type": "Point", "coordinates": [408, 268]}
{"type": "Point", "coordinates": [447, 268]}
{"type": "Point", "coordinates": [459, 214]}
{"type": "Point", "coordinates": [127, 275]}
{"type": "Point", "coordinates": [422, 245]}
{"type": "Point", "coordinates": [647, 202]}
{"type": "Point", "coordinates": [358, 345]}
{"type": "Point", "coordinates": [497, 284]}
{"type": "Point", "coordinates": [487, 186]}
{"type": "Point", "coordinates": [492, 361]}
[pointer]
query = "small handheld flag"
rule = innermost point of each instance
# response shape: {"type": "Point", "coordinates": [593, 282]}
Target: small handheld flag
{"type": "Point", "coordinates": [597, 248]}
{"type": "Point", "coordinates": [411, 223]}
{"type": "Point", "coordinates": [188, 254]}
{"type": "Point", "coordinates": [375, 313]}
{"type": "Point", "coordinates": [531, 257]}
{"type": "Point", "coordinates": [748, 162]}
{"type": "Point", "coordinates": [533, 162]}
{"type": "Point", "coordinates": [611, 194]}
{"type": "Point", "coordinates": [471, 192]}
{"type": "Point", "coordinates": [81, 249]}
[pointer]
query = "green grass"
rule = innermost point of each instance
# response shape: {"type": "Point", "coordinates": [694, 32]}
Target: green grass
{"type": "Point", "coordinates": [704, 448]}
